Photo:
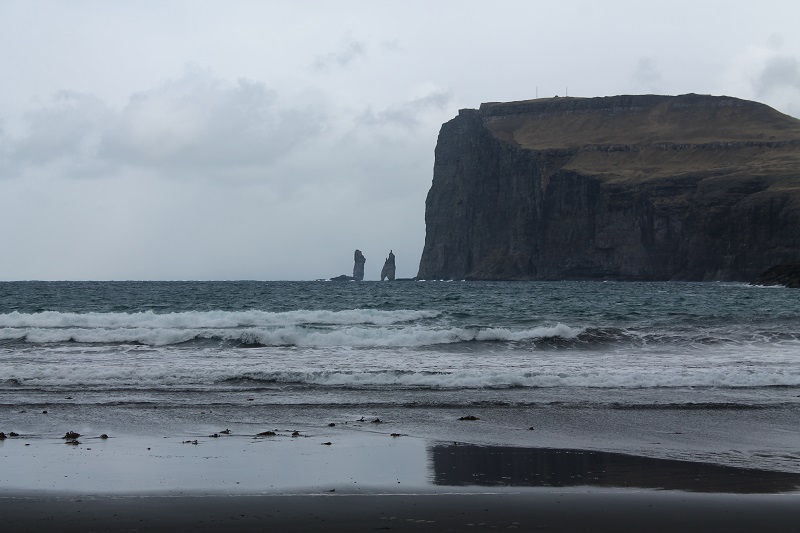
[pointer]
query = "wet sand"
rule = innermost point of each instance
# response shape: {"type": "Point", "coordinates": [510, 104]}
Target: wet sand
{"type": "Point", "coordinates": [340, 479]}
{"type": "Point", "coordinates": [530, 510]}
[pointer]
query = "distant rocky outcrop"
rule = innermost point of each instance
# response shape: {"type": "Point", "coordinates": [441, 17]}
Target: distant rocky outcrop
{"type": "Point", "coordinates": [689, 187]}
{"type": "Point", "coordinates": [358, 267]}
{"type": "Point", "coordinates": [786, 275]}
{"type": "Point", "coordinates": [388, 269]}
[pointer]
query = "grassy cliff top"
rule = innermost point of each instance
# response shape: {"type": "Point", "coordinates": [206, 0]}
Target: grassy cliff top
{"type": "Point", "coordinates": [646, 136]}
{"type": "Point", "coordinates": [553, 123]}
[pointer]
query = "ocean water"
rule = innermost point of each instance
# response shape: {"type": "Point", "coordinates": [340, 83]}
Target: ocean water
{"type": "Point", "coordinates": [706, 372]}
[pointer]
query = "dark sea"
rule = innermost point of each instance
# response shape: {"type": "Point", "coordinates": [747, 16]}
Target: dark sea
{"type": "Point", "coordinates": [704, 372]}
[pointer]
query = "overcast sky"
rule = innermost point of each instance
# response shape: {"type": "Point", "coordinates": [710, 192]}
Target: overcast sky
{"type": "Point", "coordinates": [268, 140]}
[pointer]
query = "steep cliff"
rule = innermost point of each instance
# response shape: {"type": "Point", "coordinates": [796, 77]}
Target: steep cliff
{"type": "Point", "coordinates": [687, 187]}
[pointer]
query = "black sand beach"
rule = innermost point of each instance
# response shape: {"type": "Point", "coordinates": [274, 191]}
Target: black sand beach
{"type": "Point", "coordinates": [527, 510]}
{"type": "Point", "coordinates": [372, 481]}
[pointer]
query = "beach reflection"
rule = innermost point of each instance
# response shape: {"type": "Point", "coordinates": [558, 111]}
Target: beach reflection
{"type": "Point", "coordinates": [473, 465]}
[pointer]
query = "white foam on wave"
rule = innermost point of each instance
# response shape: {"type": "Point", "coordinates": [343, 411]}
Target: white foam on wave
{"type": "Point", "coordinates": [504, 379]}
{"type": "Point", "coordinates": [158, 376]}
{"type": "Point", "coordinates": [356, 336]}
{"type": "Point", "coordinates": [413, 336]}
{"type": "Point", "coordinates": [386, 357]}
{"type": "Point", "coordinates": [210, 319]}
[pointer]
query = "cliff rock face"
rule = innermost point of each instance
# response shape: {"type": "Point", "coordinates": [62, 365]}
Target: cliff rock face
{"type": "Point", "coordinates": [389, 268]}
{"type": "Point", "coordinates": [358, 265]}
{"type": "Point", "coordinates": [687, 187]}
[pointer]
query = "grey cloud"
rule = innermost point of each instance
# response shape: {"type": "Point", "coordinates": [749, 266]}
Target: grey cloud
{"type": "Point", "coordinates": [70, 125]}
{"type": "Point", "coordinates": [349, 52]}
{"type": "Point", "coordinates": [407, 114]}
{"type": "Point", "coordinates": [778, 73]}
{"type": "Point", "coordinates": [61, 136]}
{"type": "Point", "coordinates": [4, 153]}
{"type": "Point", "coordinates": [392, 45]}
{"type": "Point", "coordinates": [775, 41]}
{"type": "Point", "coordinates": [646, 75]}
{"type": "Point", "coordinates": [196, 125]}
{"type": "Point", "coordinates": [199, 124]}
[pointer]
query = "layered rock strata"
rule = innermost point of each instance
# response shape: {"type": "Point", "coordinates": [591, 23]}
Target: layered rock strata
{"type": "Point", "coordinates": [689, 187]}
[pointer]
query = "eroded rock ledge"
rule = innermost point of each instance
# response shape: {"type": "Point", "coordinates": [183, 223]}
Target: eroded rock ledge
{"type": "Point", "coordinates": [785, 275]}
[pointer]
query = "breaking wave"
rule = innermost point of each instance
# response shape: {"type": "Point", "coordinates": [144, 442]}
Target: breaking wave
{"type": "Point", "coordinates": [297, 335]}
{"type": "Point", "coordinates": [124, 377]}
{"type": "Point", "coordinates": [475, 379]}
{"type": "Point", "coordinates": [210, 319]}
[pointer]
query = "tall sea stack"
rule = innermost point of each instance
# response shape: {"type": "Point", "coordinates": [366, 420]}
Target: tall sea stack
{"type": "Point", "coordinates": [389, 268]}
{"type": "Point", "coordinates": [689, 187]}
{"type": "Point", "coordinates": [358, 266]}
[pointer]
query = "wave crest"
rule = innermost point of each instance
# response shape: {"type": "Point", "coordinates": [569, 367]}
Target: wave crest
{"type": "Point", "coordinates": [133, 377]}
{"type": "Point", "coordinates": [296, 335]}
{"type": "Point", "coordinates": [211, 319]}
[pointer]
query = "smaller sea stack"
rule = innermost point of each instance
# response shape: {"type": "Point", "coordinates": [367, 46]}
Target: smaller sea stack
{"type": "Point", "coordinates": [387, 272]}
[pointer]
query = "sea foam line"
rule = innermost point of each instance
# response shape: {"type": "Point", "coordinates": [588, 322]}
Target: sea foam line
{"type": "Point", "coordinates": [210, 319]}
{"type": "Point", "coordinates": [142, 377]}
{"type": "Point", "coordinates": [355, 336]}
